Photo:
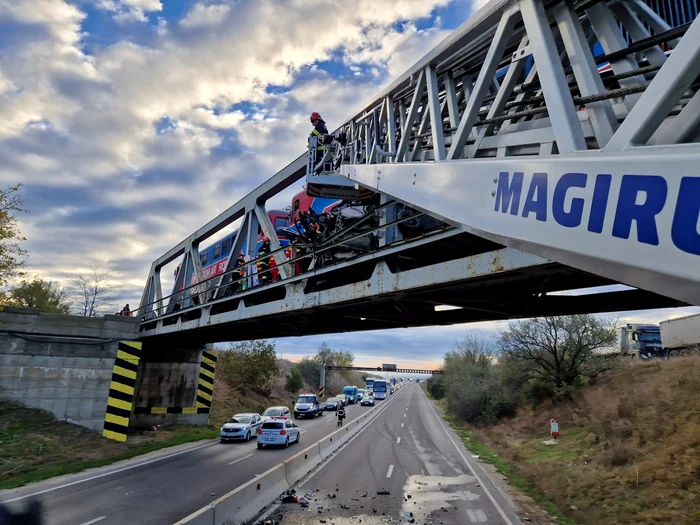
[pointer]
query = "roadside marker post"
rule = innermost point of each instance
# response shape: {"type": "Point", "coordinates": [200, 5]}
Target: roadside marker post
{"type": "Point", "coordinates": [554, 429]}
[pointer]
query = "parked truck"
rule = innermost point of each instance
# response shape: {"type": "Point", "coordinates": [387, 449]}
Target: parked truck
{"type": "Point", "coordinates": [636, 340]}
{"type": "Point", "coordinates": [309, 405]}
{"type": "Point", "coordinates": [680, 335]}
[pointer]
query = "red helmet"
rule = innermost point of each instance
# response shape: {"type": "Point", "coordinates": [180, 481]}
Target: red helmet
{"type": "Point", "coordinates": [315, 116]}
{"type": "Point", "coordinates": [266, 239]}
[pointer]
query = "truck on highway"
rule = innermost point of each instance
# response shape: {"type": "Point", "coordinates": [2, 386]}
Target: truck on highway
{"type": "Point", "coordinates": [309, 405]}
{"type": "Point", "coordinates": [381, 389]}
{"type": "Point", "coordinates": [680, 335]}
{"type": "Point", "coordinates": [350, 392]}
{"type": "Point", "coordinates": [369, 384]}
{"type": "Point", "coordinates": [636, 340]}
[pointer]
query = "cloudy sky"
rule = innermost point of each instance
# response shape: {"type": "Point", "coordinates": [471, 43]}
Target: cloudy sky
{"type": "Point", "coordinates": [132, 122]}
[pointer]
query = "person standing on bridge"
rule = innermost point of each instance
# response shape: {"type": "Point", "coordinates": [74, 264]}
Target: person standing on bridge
{"type": "Point", "coordinates": [263, 264]}
{"type": "Point", "coordinates": [240, 272]}
{"type": "Point", "coordinates": [320, 131]}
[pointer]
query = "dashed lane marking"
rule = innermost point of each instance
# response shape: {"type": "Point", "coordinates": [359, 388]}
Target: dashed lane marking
{"type": "Point", "coordinates": [398, 440]}
{"type": "Point", "coordinates": [94, 521]}
{"type": "Point", "coordinates": [476, 516]}
{"type": "Point", "coordinates": [241, 459]}
{"type": "Point", "coordinates": [402, 424]}
{"type": "Point", "coordinates": [391, 470]}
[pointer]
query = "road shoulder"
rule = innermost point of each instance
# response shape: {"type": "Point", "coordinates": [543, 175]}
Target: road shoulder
{"type": "Point", "coordinates": [526, 508]}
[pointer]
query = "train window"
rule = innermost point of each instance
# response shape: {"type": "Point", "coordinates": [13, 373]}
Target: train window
{"type": "Point", "coordinates": [280, 222]}
{"type": "Point", "coordinates": [226, 246]}
{"type": "Point", "coordinates": [217, 251]}
{"type": "Point", "coordinates": [204, 257]}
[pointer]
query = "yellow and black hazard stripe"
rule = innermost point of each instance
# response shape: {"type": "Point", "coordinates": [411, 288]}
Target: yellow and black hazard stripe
{"type": "Point", "coordinates": [321, 392]}
{"type": "Point", "coordinates": [121, 390]}
{"type": "Point", "coordinates": [205, 387]}
{"type": "Point", "coordinates": [171, 410]}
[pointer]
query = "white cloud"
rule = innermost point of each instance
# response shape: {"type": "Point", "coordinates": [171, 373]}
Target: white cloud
{"type": "Point", "coordinates": [205, 15]}
{"type": "Point", "coordinates": [130, 10]}
{"type": "Point", "coordinates": [90, 121]}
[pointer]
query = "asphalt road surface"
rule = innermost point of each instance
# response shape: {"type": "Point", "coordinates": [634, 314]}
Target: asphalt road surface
{"type": "Point", "coordinates": [164, 487]}
{"type": "Point", "coordinates": [405, 467]}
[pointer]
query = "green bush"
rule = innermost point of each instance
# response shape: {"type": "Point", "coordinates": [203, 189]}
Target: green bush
{"type": "Point", "coordinates": [436, 387]}
{"type": "Point", "coordinates": [310, 370]}
{"type": "Point", "coordinates": [250, 364]}
{"type": "Point", "coordinates": [294, 380]}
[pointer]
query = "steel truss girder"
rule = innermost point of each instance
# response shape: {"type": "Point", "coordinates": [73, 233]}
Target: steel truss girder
{"type": "Point", "coordinates": [382, 281]}
{"type": "Point", "coordinates": [380, 369]}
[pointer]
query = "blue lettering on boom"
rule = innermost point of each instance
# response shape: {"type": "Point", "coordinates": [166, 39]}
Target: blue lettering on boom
{"type": "Point", "coordinates": [640, 200]}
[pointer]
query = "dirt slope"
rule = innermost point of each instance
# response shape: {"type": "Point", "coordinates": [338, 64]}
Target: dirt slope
{"type": "Point", "coordinates": [630, 446]}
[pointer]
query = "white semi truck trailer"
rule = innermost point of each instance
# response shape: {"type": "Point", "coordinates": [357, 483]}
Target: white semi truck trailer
{"type": "Point", "coordinates": [681, 334]}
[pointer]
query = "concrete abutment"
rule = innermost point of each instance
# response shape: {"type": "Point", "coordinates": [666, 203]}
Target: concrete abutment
{"type": "Point", "coordinates": [94, 372]}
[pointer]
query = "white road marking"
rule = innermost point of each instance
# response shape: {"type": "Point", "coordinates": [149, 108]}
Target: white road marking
{"type": "Point", "coordinates": [404, 415]}
{"type": "Point", "coordinates": [402, 424]}
{"type": "Point", "coordinates": [304, 431]}
{"type": "Point", "coordinates": [241, 459]}
{"type": "Point", "coordinates": [478, 479]}
{"type": "Point", "coordinates": [94, 521]}
{"type": "Point", "coordinates": [107, 473]}
{"type": "Point", "coordinates": [476, 516]}
{"type": "Point", "coordinates": [391, 469]}
{"type": "Point", "coordinates": [398, 440]}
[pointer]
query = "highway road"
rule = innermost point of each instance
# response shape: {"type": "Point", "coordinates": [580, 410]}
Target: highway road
{"type": "Point", "coordinates": [164, 487]}
{"type": "Point", "coordinates": [409, 452]}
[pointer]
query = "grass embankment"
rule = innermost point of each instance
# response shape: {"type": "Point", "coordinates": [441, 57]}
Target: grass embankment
{"type": "Point", "coordinates": [629, 448]}
{"type": "Point", "coordinates": [35, 446]}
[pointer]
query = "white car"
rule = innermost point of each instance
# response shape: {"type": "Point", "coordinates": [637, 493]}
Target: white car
{"type": "Point", "coordinates": [241, 426]}
{"type": "Point", "coordinates": [276, 413]}
{"type": "Point", "coordinates": [367, 401]}
{"type": "Point", "coordinates": [278, 432]}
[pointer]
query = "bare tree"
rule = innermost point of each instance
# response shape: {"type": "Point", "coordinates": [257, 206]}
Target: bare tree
{"type": "Point", "coordinates": [559, 350]}
{"type": "Point", "coordinates": [91, 292]}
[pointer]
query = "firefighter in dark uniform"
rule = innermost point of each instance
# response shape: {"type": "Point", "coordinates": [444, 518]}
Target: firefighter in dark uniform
{"type": "Point", "coordinates": [341, 415]}
{"type": "Point", "coordinates": [239, 274]}
{"type": "Point", "coordinates": [263, 264]}
{"type": "Point", "coordinates": [320, 131]}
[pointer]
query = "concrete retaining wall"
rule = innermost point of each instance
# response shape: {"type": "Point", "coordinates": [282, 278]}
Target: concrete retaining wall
{"type": "Point", "coordinates": [59, 363]}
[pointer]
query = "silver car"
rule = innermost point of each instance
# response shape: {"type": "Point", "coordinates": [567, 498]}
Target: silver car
{"type": "Point", "coordinates": [241, 426]}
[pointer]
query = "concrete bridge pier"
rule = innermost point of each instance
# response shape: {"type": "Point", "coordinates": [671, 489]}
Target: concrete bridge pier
{"type": "Point", "coordinates": [174, 384]}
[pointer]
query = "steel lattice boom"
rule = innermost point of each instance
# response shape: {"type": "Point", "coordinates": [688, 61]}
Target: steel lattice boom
{"type": "Point", "coordinates": [510, 164]}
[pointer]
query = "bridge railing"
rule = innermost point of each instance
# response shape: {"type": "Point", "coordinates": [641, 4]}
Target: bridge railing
{"type": "Point", "coordinates": [221, 287]}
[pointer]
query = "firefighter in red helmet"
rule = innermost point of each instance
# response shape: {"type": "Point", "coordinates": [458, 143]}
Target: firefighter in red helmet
{"type": "Point", "coordinates": [320, 131]}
